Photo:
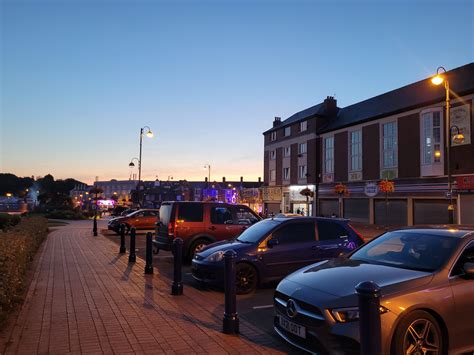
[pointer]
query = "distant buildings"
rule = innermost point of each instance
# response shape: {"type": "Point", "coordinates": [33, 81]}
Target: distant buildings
{"type": "Point", "coordinates": [398, 135]}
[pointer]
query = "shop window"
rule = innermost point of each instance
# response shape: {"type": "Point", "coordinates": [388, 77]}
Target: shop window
{"type": "Point", "coordinates": [287, 131]}
{"type": "Point", "coordinates": [286, 173]}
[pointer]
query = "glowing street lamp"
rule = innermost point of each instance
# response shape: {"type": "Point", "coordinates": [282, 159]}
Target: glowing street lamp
{"type": "Point", "coordinates": [438, 79]}
{"type": "Point", "coordinates": [149, 134]}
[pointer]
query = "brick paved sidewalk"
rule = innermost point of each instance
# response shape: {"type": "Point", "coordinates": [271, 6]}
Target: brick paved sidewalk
{"type": "Point", "coordinates": [86, 298]}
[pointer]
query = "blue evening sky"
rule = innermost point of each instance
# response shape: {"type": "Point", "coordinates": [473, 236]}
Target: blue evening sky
{"type": "Point", "coordinates": [79, 78]}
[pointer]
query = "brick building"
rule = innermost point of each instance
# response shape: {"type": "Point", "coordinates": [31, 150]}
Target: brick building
{"type": "Point", "coordinates": [398, 135]}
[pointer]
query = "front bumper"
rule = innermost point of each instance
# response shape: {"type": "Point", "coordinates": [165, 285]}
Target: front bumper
{"type": "Point", "coordinates": [209, 273]}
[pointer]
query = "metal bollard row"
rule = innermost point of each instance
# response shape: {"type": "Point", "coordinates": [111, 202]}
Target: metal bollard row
{"type": "Point", "coordinates": [177, 286]}
{"type": "Point", "coordinates": [231, 318]}
{"type": "Point", "coordinates": [122, 249]}
{"type": "Point", "coordinates": [369, 318]}
{"type": "Point", "coordinates": [132, 256]}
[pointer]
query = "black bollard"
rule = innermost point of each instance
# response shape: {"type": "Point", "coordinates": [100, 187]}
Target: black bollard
{"type": "Point", "coordinates": [123, 249]}
{"type": "Point", "coordinates": [231, 318]}
{"type": "Point", "coordinates": [370, 330]}
{"type": "Point", "coordinates": [149, 254]}
{"type": "Point", "coordinates": [177, 286]}
{"type": "Point", "coordinates": [94, 229]}
{"type": "Point", "coordinates": [132, 257]}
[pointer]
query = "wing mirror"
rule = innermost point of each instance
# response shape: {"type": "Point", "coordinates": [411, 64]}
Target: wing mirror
{"type": "Point", "coordinates": [229, 221]}
{"type": "Point", "coordinates": [272, 242]}
{"type": "Point", "coordinates": [468, 270]}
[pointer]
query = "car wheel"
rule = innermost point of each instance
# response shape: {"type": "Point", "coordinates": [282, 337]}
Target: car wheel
{"type": "Point", "coordinates": [418, 333]}
{"type": "Point", "coordinates": [246, 278]}
{"type": "Point", "coordinates": [197, 246]}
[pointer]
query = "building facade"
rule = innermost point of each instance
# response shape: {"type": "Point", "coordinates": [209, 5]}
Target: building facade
{"type": "Point", "coordinates": [397, 136]}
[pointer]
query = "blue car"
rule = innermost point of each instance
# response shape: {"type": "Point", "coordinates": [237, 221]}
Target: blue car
{"type": "Point", "coordinates": [273, 248]}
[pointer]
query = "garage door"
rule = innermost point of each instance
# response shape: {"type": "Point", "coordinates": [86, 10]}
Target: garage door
{"type": "Point", "coordinates": [328, 207]}
{"type": "Point", "coordinates": [357, 209]}
{"type": "Point", "coordinates": [431, 212]}
{"type": "Point", "coordinates": [397, 212]}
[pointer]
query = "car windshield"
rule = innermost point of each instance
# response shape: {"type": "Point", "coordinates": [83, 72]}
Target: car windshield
{"type": "Point", "coordinates": [255, 233]}
{"type": "Point", "coordinates": [408, 250]}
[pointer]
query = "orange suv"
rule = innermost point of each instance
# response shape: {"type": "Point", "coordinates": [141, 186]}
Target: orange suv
{"type": "Point", "coordinates": [200, 224]}
{"type": "Point", "coordinates": [141, 219]}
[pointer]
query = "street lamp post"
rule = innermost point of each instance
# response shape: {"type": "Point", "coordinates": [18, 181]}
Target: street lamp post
{"type": "Point", "coordinates": [438, 79]}
{"type": "Point", "coordinates": [208, 167]}
{"type": "Point", "coordinates": [149, 134]}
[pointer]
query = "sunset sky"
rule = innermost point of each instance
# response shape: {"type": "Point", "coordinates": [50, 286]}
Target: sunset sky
{"type": "Point", "coordinates": [80, 78]}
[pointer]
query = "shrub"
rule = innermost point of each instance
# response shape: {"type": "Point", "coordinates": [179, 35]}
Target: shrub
{"type": "Point", "coordinates": [65, 214]}
{"type": "Point", "coordinates": [18, 246]}
{"type": "Point", "coordinates": [7, 220]}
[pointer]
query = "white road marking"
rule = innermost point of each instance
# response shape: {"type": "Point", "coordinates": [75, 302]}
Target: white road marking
{"type": "Point", "coordinates": [263, 307]}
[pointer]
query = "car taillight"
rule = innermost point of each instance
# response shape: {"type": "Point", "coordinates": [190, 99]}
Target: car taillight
{"type": "Point", "coordinates": [171, 229]}
{"type": "Point", "coordinates": [358, 234]}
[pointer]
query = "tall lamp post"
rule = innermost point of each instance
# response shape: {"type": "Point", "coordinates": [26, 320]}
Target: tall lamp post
{"type": "Point", "coordinates": [438, 79]}
{"type": "Point", "coordinates": [149, 134]}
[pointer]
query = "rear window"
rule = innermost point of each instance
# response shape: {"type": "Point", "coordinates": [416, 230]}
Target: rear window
{"type": "Point", "coordinates": [191, 212]}
{"type": "Point", "coordinates": [331, 230]}
{"type": "Point", "coordinates": [165, 213]}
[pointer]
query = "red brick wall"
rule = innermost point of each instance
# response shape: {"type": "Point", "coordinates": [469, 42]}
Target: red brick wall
{"type": "Point", "coordinates": [409, 146]}
{"type": "Point", "coordinates": [371, 152]}
{"type": "Point", "coordinates": [340, 156]}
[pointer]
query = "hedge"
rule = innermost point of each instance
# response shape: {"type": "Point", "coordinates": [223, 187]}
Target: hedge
{"type": "Point", "coordinates": [7, 220]}
{"type": "Point", "coordinates": [65, 214]}
{"type": "Point", "coordinates": [18, 246]}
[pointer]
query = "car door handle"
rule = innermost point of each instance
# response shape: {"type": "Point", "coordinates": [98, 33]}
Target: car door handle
{"type": "Point", "coordinates": [212, 228]}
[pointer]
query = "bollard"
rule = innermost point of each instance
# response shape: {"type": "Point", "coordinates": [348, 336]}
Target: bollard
{"type": "Point", "coordinates": [94, 229]}
{"type": "Point", "coordinates": [231, 318]}
{"type": "Point", "coordinates": [123, 249]}
{"type": "Point", "coordinates": [177, 286]}
{"type": "Point", "coordinates": [149, 254]}
{"type": "Point", "coordinates": [132, 257]}
{"type": "Point", "coordinates": [370, 330]}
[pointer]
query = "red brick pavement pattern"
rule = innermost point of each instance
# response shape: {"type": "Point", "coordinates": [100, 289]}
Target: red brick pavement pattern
{"type": "Point", "coordinates": [87, 299]}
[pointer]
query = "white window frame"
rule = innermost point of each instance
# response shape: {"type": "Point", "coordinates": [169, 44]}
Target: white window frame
{"type": "Point", "coordinates": [303, 148]}
{"type": "Point", "coordinates": [303, 126]}
{"type": "Point", "coordinates": [287, 131]}
{"type": "Point", "coordinates": [302, 171]}
{"type": "Point", "coordinates": [286, 174]}
{"type": "Point", "coordinates": [429, 164]}
{"type": "Point", "coordinates": [389, 145]}
{"type": "Point", "coordinates": [355, 151]}
{"type": "Point", "coordinates": [273, 154]}
{"type": "Point", "coordinates": [287, 151]}
{"type": "Point", "coordinates": [272, 175]}
{"type": "Point", "coordinates": [328, 155]}
{"type": "Point", "coordinates": [273, 136]}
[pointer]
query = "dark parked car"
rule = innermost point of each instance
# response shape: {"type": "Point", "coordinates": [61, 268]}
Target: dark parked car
{"type": "Point", "coordinates": [426, 278]}
{"type": "Point", "coordinates": [275, 247]}
{"type": "Point", "coordinates": [200, 224]}
{"type": "Point", "coordinates": [141, 219]}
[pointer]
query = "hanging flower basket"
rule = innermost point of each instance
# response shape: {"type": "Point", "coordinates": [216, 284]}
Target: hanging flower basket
{"type": "Point", "coordinates": [341, 189]}
{"type": "Point", "coordinates": [386, 186]}
{"type": "Point", "coordinates": [307, 192]}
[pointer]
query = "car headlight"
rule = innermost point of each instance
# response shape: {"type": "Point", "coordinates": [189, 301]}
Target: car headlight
{"type": "Point", "coordinates": [216, 257]}
{"type": "Point", "coordinates": [349, 314]}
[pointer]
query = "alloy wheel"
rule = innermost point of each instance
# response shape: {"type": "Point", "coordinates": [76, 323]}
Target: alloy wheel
{"type": "Point", "coordinates": [422, 338]}
{"type": "Point", "coordinates": [246, 279]}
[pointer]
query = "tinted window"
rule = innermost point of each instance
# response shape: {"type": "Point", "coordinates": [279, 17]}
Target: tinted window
{"type": "Point", "coordinates": [256, 232]}
{"type": "Point", "coordinates": [328, 230]}
{"type": "Point", "coordinates": [244, 216]}
{"type": "Point", "coordinates": [467, 256]}
{"type": "Point", "coordinates": [408, 250]}
{"type": "Point", "coordinates": [295, 233]}
{"type": "Point", "coordinates": [165, 213]}
{"type": "Point", "coordinates": [220, 215]}
{"type": "Point", "coordinates": [150, 214]}
{"type": "Point", "coordinates": [190, 212]}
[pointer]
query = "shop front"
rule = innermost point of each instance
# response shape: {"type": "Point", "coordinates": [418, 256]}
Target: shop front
{"type": "Point", "coordinates": [271, 197]}
{"type": "Point", "coordinates": [300, 199]}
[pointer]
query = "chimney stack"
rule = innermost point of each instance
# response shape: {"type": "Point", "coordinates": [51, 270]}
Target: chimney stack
{"type": "Point", "coordinates": [241, 179]}
{"type": "Point", "coordinates": [330, 104]}
{"type": "Point", "coordinates": [223, 179]}
{"type": "Point", "coordinates": [205, 179]}
{"type": "Point", "coordinates": [276, 121]}
{"type": "Point", "coordinates": [259, 179]}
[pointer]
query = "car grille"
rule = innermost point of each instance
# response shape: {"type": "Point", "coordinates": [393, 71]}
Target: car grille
{"type": "Point", "coordinates": [310, 343]}
{"type": "Point", "coordinates": [203, 275]}
{"type": "Point", "coordinates": [307, 314]}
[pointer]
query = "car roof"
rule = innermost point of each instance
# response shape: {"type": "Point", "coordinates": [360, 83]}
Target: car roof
{"type": "Point", "coordinates": [308, 218]}
{"type": "Point", "coordinates": [457, 231]}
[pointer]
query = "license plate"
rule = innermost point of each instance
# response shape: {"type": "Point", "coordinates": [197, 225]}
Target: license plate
{"type": "Point", "coordinates": [292, 327]}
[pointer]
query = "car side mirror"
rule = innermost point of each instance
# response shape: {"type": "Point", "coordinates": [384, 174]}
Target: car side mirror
{"type": "Point", "coordinates": [272, 242]}
{"type": "Point", "coordinates": [229, 221]}
{"type": "Point", "coordinates": [468, 270]}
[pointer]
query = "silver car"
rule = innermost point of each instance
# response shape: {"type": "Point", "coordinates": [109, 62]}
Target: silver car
{"type": "Point", "coordinates": [426, 278]}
